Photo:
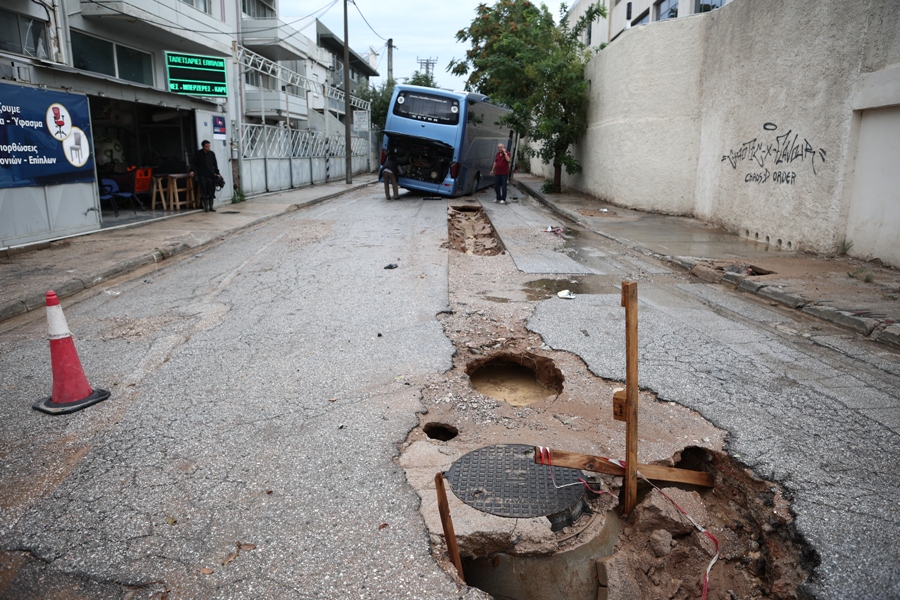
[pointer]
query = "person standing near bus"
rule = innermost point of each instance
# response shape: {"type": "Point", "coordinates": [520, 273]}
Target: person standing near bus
{"type": "Point", "coordinates": [390, 171]}
{"type": "Point", "coordinates": [500, 171]}
{"type": "Point", "coordinates": [205, 167]}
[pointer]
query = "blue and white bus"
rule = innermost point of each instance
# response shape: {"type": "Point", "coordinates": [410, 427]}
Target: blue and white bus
{"type": "Point", "coordinates": [445, 141]}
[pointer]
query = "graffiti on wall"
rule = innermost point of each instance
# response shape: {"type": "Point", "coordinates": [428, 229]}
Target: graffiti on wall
{"type": "Point", "coordinates": [776, 156]}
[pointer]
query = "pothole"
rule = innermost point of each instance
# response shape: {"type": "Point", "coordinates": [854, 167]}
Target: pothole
{"type": "Point", "coordinates": [517, 378]}
{"type": "Point", "coordinates": [470, 231]}
{"type": "Point", "coordinates": [653, 553]}
{"type": "Point", "coordinates": [440, 431]}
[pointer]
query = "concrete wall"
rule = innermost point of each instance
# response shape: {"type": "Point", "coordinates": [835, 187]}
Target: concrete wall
{"type": "Point", "coordinates": [643, 136]}
{"type": "Point", "coordinates": [744, 116]}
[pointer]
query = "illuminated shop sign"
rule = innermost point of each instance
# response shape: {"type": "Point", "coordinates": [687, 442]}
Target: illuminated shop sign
{"type": "Point", "coordinates": [196, 75]}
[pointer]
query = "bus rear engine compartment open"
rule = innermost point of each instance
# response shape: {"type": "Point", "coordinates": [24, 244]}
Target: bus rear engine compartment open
{"type": "Point", "coordinates": [423, 160]}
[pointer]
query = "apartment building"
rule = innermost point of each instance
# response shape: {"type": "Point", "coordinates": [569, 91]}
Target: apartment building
{"type": "Point", "coordinates": [624, 14]}
{"type": "Point", "coordinates": [94, 89]}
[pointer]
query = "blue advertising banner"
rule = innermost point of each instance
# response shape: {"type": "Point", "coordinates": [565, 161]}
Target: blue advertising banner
{"type": "Point", "coordinates": [44, 137]}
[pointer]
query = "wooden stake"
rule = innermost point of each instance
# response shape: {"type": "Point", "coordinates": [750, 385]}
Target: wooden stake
{"type": "Point", "coordinates": [447, 523]}
{"type": "Point", "coordinates": [629, 301]}
{"type": "Point", "coordinates": [598, 464]}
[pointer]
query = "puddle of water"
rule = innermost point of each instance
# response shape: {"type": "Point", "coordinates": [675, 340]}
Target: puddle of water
{"type": "Point", "coordinates": [541, 289]}
{"type": "Point", "coordinates": [570, 574]}
{"type": "Point", "coordinates": [510, 382]}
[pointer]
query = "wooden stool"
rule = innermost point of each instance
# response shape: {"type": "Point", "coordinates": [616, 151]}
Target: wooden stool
{"type": "Point", "coordinates": [179, 184]}
{"type": "Point", "coordinates": [160, 192]}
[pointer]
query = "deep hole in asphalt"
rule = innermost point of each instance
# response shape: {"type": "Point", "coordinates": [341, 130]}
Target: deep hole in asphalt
{"type": "Point", "coordinates": [655, 552]}
{"type": "Point", "coordinates": [518, 378]}
{"type": "Point", "coordinates": [440, 431]}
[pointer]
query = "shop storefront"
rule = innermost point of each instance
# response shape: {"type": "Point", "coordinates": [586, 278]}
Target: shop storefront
{"type": "Point", "coordinates": [120, 130]}
{"type": "Point", "coordinates": [47, 165]}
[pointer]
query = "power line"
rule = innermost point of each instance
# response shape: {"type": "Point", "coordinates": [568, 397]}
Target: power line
{"type": "Point", "coordinates": [364, 19]}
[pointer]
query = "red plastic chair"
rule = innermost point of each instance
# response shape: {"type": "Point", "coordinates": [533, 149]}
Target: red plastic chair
{"type": "Point", "coordinates": [143, 181]}
{"type": "Point", "coordinates": [58, 119]}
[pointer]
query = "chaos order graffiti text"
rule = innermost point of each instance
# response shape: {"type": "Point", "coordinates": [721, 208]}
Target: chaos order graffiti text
{"type": "Point", "coordinates": [784, 151]}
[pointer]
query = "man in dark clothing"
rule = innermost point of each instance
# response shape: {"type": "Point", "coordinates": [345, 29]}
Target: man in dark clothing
{"type": "Point", "coordinates": [500, 171]}
{"type": "Point", "coordinates": [205, 168]}
{"type": "Point", "coordinates": [390, 171]}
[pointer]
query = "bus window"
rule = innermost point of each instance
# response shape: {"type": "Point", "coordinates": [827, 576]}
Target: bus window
{"type": "Point", "coordinates": [427, 107]}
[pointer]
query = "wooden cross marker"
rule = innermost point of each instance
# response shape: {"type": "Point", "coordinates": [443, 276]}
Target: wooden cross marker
{"type": "Point", "coordinates": [625, 408]}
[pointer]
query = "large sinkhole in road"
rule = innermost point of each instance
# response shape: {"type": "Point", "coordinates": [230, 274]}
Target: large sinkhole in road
{"type": "Point", "coordinates": [519, 379]}
{"type": "Point", "coordinates": [586, 548]}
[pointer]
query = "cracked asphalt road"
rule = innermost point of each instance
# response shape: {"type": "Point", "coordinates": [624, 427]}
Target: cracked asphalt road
{"type": "Point", "coordinates": [260, 390]}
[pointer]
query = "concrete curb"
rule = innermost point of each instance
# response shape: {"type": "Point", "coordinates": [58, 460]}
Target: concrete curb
{"type": "Point", "coordinates": [73, 286]}
{"type": "Point", "coordinates": [889, 336]}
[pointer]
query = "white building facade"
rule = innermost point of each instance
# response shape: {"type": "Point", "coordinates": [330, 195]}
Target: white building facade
{"type": "Point", "coordinates": [147, 81]}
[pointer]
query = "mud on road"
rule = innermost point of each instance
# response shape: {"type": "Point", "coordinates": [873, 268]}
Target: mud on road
{"type": "Point", "coordinates": [654, 553]}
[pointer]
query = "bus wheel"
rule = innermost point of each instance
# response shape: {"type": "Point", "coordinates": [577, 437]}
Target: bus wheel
{"type": "Point", "coordinates": [476, 184]}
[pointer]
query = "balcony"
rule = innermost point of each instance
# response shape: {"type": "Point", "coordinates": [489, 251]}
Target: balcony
{"type": "Point", "coordinates": [274, 39]}
{"type": "Point", "coordinates": [172, 24]}
{"type": "Point", "coordinates": [277, 105]}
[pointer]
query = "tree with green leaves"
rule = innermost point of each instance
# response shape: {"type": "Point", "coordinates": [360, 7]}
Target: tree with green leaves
{"type": "Point", "coordinates": [422, 79]}
{"type": "Point", "coordinates": [380, 98]}
{"type": "Point", "coordinates": [521, 58]}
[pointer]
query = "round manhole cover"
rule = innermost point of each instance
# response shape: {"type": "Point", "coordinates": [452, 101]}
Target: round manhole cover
{"type": "Point", "coordinates": [504, 481]}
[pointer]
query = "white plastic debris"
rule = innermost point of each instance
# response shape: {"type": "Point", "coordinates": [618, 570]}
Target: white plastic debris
{"type": "Point", "coordinates": [565, 294]}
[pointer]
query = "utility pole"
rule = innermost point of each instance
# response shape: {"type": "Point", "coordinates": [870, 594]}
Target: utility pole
{"type": "Point", "coordinates": [348, 115]}
{"type": "Point", "coordinates": [427, 65]}
{"type": "Point", "coordinates": [390, 59]}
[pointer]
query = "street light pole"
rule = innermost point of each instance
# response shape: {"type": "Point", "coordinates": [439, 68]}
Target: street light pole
{"type": "Point", "coordinates": [347, 114]}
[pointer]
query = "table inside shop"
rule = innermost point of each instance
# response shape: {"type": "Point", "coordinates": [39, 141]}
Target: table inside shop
{"type": "Point", "coordinates": [175, 191]}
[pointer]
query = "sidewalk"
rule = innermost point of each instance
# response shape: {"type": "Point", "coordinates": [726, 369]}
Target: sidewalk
{"type": "Point", "coordinates": [70, 265]}
{"type": "Point", "coordinates": [861, 296]}
{"type": "Point", "coordinates": [854, 294]}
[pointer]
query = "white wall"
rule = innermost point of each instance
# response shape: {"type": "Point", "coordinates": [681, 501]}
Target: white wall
{"type": "Point", "coordinates": [747, 116]}
{"type": "Point", "coordinates": [873, 224]}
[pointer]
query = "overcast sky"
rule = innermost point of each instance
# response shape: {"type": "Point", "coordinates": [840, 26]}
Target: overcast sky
{"type": "Point", "coordinates": [425, 29]}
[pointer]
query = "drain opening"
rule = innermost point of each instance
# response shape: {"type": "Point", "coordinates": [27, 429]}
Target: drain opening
{"type": "Point", "coordinates": [571, 574]}
{"type": "Point", "coordinates": [660, 554]}
{"type": "Point", "coordinates": [755, 271]}
{"type": "Point", "coordinates": [519, 379]}
{"type": "Point", "coordinates": [440, 431]}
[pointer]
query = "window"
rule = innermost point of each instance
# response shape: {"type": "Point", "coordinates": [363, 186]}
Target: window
{"type": "Point", "coordinates": [666, 9]}
{"type": "Point", "coordinates": [703, 6]}
{"type": "Point", "coordinates": [101, 56]}
{"type": "Point", "coordinates": [203, 5]}
{"type": "Point", "coordinates": [23, 35]}
{"type": "Point", "coordinates": [259, 80]}
{"type": "Point", "coordinates": [134, 65]}
{"type": "Point", "coordinates": [258, 9]}
{"type": "Point", "coordinates": [642, 20]}
{"type": "Point", "coordinates": [427, 107]}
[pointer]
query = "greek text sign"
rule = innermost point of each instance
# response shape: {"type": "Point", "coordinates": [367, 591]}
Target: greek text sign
{"type": "Point", "coordinates": [44, 137]}
{"type": "Point", "coordinates": [196, 75]}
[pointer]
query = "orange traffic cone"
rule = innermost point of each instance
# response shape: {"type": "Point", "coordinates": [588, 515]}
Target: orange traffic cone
{"type": "Point", "coordinates": [71, 390]}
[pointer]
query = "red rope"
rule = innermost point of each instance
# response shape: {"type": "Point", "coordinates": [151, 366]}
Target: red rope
{"type": "Point", "coordinates": [547, 460]}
